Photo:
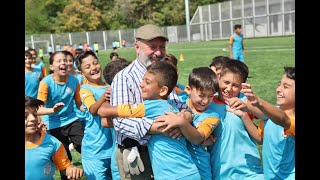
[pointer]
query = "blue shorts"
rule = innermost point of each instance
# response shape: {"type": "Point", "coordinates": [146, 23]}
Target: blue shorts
{"type": "Point", "coordinates": [97, 168]}
{"type": "Point", "coordinates": [238, 56]}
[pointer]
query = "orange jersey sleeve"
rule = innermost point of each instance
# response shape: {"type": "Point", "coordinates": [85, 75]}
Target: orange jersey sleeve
{"type": "Point", "coordinates": [261, 128]}
{"type": "Point", "coordinates": [231, 40]}
{"type": "Point", "coordinates": [60, 158]}
{"type": "Point", "coordinates": [87, 97]}
{"type": "Point", "coordinates": [131, 110]}
{"type": "Point", "coordinates": [178, 90]}
{"type": "Point", "coordinates": [208, 125]}
{"type": "Point", "coordinates": [44, 71]}
{"type": "Point", "coordinates": [43, 92]}
{"type": "Point", "coordinates": [292, 129]}
{"type": "Point", "coordinates": [77, 94]}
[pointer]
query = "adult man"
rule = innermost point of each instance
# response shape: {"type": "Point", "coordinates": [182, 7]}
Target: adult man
{"type": "Point", "coordinates": [150, 47]}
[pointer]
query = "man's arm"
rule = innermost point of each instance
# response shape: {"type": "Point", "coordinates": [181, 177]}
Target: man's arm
{"type": "Point", "coordinates": [135, 128]}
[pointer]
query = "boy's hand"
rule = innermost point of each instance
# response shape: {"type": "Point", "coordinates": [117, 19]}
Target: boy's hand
{"type": "Point", "coordinates": [236, 112]}
{"type": "Point", "coordinates": [74, 172]}
{"type": "Point", "coordinates": [171, 121]}
{"type": "Point", "coordinates": [247, 91]}
{"type": "Point", "coordinates": [57, 107]}
{"type": "Point", "coordinates": [237, 104]}
{"type": "Point", "coordinates": [107, 94]}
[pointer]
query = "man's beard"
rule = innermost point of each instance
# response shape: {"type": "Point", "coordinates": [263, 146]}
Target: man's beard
{"type": "Point", "coordinates": [147, 60]}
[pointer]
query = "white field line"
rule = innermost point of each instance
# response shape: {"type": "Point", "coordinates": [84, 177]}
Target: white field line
{"type": "Point", "coordinates": [259, 48]}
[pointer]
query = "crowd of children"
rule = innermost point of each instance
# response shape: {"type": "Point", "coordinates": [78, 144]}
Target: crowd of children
{"type": "Point", "coordinates": [214, 135]}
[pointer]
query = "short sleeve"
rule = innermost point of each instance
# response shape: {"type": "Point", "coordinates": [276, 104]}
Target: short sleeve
{"type": "Point", "coordinates": [292, 128]}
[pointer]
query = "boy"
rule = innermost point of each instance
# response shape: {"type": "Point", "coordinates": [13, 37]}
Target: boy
{"type": "Point", "coordinates": [236, 44]}
{"type": "Point", "coordinates": [203, 83]}
{"type": "Point", "coordinates": [277, 129]}
{"type": "Point", "coordinates": [234, 155]}
{"type": "Point", "coordinates": [217, 64]}
{"type": "Point", "coordinates": [157, 84]}
{"type": "Point", "coordinates": [43, 152]}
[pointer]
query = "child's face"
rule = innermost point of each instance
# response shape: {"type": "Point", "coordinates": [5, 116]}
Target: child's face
{"type": "Point", "coordinates": [91, 69]}
{"type": "Point", "coordinates": [230, 86]}
{"type": "Point", "coordinates": [69, 63]}
{"type": "Point", "coordinates": [31, 120]}
{"type": "Point", "coordinates": [200, 100]}
{"type": "Point", "coordinates": [34, 56]}
{"type": "Point", "coordinates": [27, 61]}
{"type": "Point", "coordinates": [150, 88]}
{"type": "Point", "coordinates": [238, 30]}
{"type": "Point", "coordinates": [59, 65]}
{"type": "Point", "coordinates": [286, 93]}
{"type": "Point", "coordinates": [216, 70]}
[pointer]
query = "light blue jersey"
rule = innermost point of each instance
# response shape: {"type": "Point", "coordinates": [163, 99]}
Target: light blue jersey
{"type": "Point", "coordinates": [60, 92]}
{"type": "Point", "coordinates": [79, 113]}
{"type": "Point", "coordinates": [169, 157]}
{"type": "Point", "coordinates": [39, 65]}
{"type": "Point", "coordinates": [234, 155]}
{"type": "Point", "coordinates": [278, 152]}
{"type": "Point", "coordinates": [199, 154]}
{"type": "Point", "coordinates": [31, 82]}
{"type": "Point", "coordinates": [237, 48]}
{"type": "Point", "coordinates": [97, 142]}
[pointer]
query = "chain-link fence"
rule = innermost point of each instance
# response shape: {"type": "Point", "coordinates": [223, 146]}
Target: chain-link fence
{"type": "Point", "coordinates": [259, 18]}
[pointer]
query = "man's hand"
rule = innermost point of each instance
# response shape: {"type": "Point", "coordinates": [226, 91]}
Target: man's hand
{"type": "Point", "coordinates": [74, 172]}
{"type": "Point", "coordinates": [132, 161]}
{"type": "Point", "coordinates": [57, 107]}
{"type": "Point", "coordinates": [107, 94]}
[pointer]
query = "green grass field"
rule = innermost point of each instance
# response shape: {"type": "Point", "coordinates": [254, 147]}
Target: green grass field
{"type": "Point", "coordinates": [265, 58]}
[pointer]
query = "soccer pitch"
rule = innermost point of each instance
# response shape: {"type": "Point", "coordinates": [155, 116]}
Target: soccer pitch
{"type": "Point", "coordinates": [265, 57]}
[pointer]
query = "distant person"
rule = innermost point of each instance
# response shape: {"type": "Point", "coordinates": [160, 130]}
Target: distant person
{"type": "Point", "coordinates": [118, 44]}
{"type": "Point", "coordinates": [49, 50]}
{"type": "Point", "coordinates": [38, 64]}
{"type": "Point", "coordinates": [113, 56]}
{"type": "Point", "coordinates": [96, 47]}
{"type": "Point", "coordinates": [124, 43]}
{"type": "Point", "coordinates": [236, 44]}
{"type": "Point", "coordinates": [112, 68]}
{"type": "Point", "coordinates": [33, 76]}
{"type": "Point", "coordinates": [40, 53]}
{"type": "Point", "coordinates": [114, 46]}
{"type": "Point", "coordinates": [58, 47]}
{"type": "Point", "coordinates": [80, 46]}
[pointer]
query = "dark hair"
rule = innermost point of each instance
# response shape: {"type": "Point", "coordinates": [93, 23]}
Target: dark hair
{"type": "Point", "coordinates": [166, 74]}
{"type": "Point", "coordinates": [83, 55]}
{"type": "Point", "coordinates": [237, 26]}
{"type": "Point", "coordinates": [112, 68]}
{"type": "Point", "coordinates": [203, 78]}
{"type": "Point", "coordinates": [31, 49]}
{"type": "Point", "coordinates": [27, 53]}
{"type": "Point", "coordinates": [236, 67]}
{"type": "Point", "coordinates": [113, 54]}
{"type": "Point", "coordinates": [32, 102]}
{"type": "Point", "coordinates": [290, 72]}
{"type": "Point", "coordinates": [171, 59]}
{"type": "Point", "coordinates": [219, 61]}
{"type": "Point", "coordinates": [68, 53]}
{"type": "Point", "coordinates": [78, 51]}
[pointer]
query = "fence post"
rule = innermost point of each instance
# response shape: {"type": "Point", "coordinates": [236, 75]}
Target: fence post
{"type": "Point", "coordinates": [210, 25]}
{"type": "Point", "coordinates": [120, 40]}
{"type": "Point", "coordinates": [220, 23]}
{"type": "Point", "coordinates": [231, 21]}
{"type": "Point", "coordinates": [32, 42]}
{"type": "Point", "coordinates": [282, 15]}
{"type": "Point", "coordinates": [104, 40]}
{"type": "Point", "coordinates": [242, 14]}
{"type": "Point", "coordinates": [268, 18]}
{"type": "Point", "coordinates": [254, 18]}
{"type": "Point", "coordinates": [70, 39]}
{"type": "Point", "coordinates": [87, 34]}
{"type": "Point", "coordinates": [52, 44]}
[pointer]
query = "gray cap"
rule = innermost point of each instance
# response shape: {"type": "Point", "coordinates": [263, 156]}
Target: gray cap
{"type": "Point", "coordinates": [149, 32]}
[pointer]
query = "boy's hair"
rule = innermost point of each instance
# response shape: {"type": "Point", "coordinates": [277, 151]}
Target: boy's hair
{"type": "Point", "coordinates": [112, 68]}
{"type": "Point", "coordinates": [203, 78]}
{"type": "Point", "coordinates": [32, 102]}
{"type": "Point", "coordinates": [32, 49]}
{"type": "Point", "coordinates": [78, 51]}
{"type": "Point", "coordinates": [83, 55]}
{"type": "Point", "coordinates": [290, 72]}
{"type": "Point", "coordinates": [219, 61]}
{"type": "Point", "coordinates": [27, 53]}
{"type": "Point", "coordinates": [166, 74]}
{"type": "Point", "coordinates": [171, 59]}
{"type": "Point", "coordinates": [113, 54]}
{"type": "Point", "coordinates": [236, 67]}
{"type": "Point", "coordinates": [237, 26]}
{"type": "Point", "coordinates": [66, 53]}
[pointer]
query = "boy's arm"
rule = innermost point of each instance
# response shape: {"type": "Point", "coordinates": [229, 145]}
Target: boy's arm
{"type": "Point", "coordinates": [230, 46]}
{"type": "Point", "coordinates": [89, 101]}
{"type": "Point", "coordinates": [77, 97]}
{"type": "Point", "coordinates": [106, 122]}
{"type": "Point", "coordinates": [107, 111]}
{"type": "Point", "coordinates": [45, 111]}
{"type": "Point", "coordinates": [277, 115]}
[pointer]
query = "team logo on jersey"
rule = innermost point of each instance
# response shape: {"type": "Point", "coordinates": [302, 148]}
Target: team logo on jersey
{"type": "Point", "coordinates": [47, 169]}
{"type": "Point", "coordinates": [37, 75]}
{"type": "Point", "coordinates": [83, 95]}
{"type": "Point", "coordinates": [68, 90]}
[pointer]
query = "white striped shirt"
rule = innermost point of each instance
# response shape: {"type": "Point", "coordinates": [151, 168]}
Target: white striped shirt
{"type": "Point", "coordinates": [126, 90]}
